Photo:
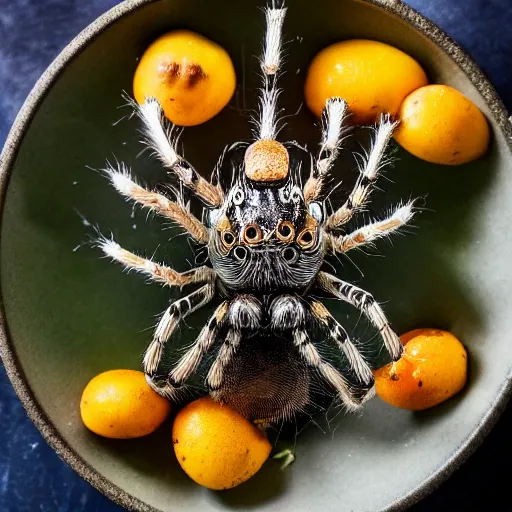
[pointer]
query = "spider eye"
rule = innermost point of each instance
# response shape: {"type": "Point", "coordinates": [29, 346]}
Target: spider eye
{"type": "Point", "coordinates": [285, 231]}
{"type": "Point", "coordinates": [252, 234]}
{"type": "Point", "coordinates": [296, 194]}
{"type": "Point", "coordinates": [238, 196]}
{"type": "Point", "coordinates": [290, 254]}
{"type": "Point", "coordinates": [316, 211]}
{"type": "Point", "coordinates": [306, 238]}
{"type": "Point", "coordinates": [240, 253]}
{"type": "Point", "coordinates": [228, 238]}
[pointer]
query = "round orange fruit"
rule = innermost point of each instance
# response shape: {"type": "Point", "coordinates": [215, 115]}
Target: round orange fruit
{"type": "Point", "coordinates": [372, 77]}
{"type": "Point", "coordinates": [440, 125]}
{"type": "Point", "coordinates": [120, 404]}
{"type": "Point", "coordinates": [216, 446]}
{"type": "Point", "coordinates": [192, 77]}
{"type": "Point", "coordinates": [433, 368]}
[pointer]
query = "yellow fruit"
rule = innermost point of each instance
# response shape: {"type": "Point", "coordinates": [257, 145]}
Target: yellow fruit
{"type": "Point", "coordinates": [440, 125]}
{"type": "Point", "coordinates": [120, 404]}
{"type": "Point", "coordinates": [192, 77]}
{"type": "Point", "coordinates": [433, 368]}
{"type": "Point", "coordinates": [217, 447]}
{"type": "Point", "coordinates": [372, 77]}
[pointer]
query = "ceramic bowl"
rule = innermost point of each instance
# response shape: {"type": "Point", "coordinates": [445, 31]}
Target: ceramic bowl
{"type": "Point", "coordinates": [68, 314]}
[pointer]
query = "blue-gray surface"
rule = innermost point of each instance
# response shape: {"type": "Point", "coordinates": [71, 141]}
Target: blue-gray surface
{"type": "Point", "coordinates": [32, 33]}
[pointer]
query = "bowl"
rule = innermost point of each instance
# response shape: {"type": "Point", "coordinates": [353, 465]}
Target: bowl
{"type": "Point", "coordinates": [68, 315]}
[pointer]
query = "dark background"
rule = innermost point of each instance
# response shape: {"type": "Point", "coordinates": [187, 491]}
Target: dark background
{"type": "Point", "coordinates": [32, 33]}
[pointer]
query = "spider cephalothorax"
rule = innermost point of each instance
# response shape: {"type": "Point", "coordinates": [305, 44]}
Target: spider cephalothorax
{"type": "Point", "coordinates": [267, 235]}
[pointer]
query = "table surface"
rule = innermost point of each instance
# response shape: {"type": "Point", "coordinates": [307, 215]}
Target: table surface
{"type": "Point", "coordinates": [32, 477]}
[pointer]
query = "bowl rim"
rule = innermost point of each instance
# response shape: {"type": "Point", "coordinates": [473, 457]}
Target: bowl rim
{"type": "Point", "coordinates": [8, 156]}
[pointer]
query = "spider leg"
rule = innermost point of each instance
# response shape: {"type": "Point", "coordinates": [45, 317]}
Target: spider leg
{"type": "Point", "coordinates": [369, 172]}
{"type": "Point", "coordinates": [365, 302]}
{"type": "Point", "coordinates": [333, 118]}
{"type": "Point", "coordinates": [289, 312]}
{"type": "Point", "coordinates": [338, 333]}
{"type": "Point", "coordinates": [349, 395]}
{"type": "Point", "coordinates": [244, 315]}
{"type": "Point", "coordinates": [156, 271]}
{"type": "Point", "coordinates": [371, 232]}
{"type": "Point", "coordinates": [270, 64]}
{"type": "Point", "coordinates": [191, 360]}
{"type": "Point", "coordinates": [176, 312]}
{"type": "Point", "coordinates": [179, 213]}
{"type": "Point", "coordinates": [158, 136]}
{"type": "Point", "coordinates": [227, 350]}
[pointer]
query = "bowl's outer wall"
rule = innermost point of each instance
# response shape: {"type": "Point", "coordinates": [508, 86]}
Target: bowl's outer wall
{"type": "Point", "coordinates": [72, 315]}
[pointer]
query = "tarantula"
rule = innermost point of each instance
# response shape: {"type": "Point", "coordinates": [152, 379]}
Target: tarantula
{"type": "Point", "coordinates": [266, 238]}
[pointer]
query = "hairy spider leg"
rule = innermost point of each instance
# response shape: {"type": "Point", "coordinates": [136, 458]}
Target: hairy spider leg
{"type": "Point", "coordinates": [372, 164]}
{"type": "Point", "coordinates": [334, 116]}
{"type": "Point", "coordinates": [370, 232]}
{"type": "Point", "coordinates": [290, 313]}
{"type": "Point", "coordinates": [365, 303]}
{"type": "Point", "coordinates": [156, 271]}
{"type": "Point", "coordinates": [158, 135]}
{"type": "Point", "coordinates": [340, 336]}
{"type": "Point", "coordinates": [243, 316]}
{"type": "Point", "coordinates": [227, 350]}
{"type": "Point", "coordinates": [267, 123]}
{"type": "Point", "coordinates": [176, 312]}
{"type": "Point", "coordinates": [176, 211]}
{"type": "Point", "coordinates": [190, 361]}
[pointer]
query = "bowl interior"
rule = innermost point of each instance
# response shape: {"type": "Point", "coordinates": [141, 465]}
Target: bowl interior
{"type": "Point", "coordinates": [72, 315]}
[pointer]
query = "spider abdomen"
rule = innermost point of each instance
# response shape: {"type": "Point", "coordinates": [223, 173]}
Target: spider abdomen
{"type": "Point", "coordinates": [267, 380]}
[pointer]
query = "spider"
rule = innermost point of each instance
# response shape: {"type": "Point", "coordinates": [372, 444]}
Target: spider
{"type": "Point", "coordinates": [266, 237]}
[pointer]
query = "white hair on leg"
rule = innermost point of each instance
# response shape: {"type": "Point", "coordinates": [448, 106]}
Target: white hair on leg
{"type": "Point", "coordinates": [365, 303]}
{"type": "Point", "coordinates": [273, 39]}
{"type": "Point", "coordinates": [110, 248]}
{"type": "Point", "coordinates": [268, 114]}
{"type": "Point", "coordinates": [369, 233]}
{"type": "Point", "coordinates": [333, 118]}
{"type": "Point", "coordinates": [190, 361]}
{"type": "Point", "coordinates": [270, 64]}
{"type": "Point", "coordinates": [357, 362]}
{"type": "Point", "coordinates": [156, 136]}
{"type": "Point", "coordinates": [156, 271]}
{"type": "Point", "coordinates": [338, 333]}
{"type": "Point", "coordinates": [131, 261]}
{"type": "Point", "coordinates": [370, 166]}
{"type": "Point", "coordinates": [163, 141]}
{"type": "Point", "coordinates": [175, 210]}
{"type": "Point", "coordinates": [120, 178]}
{"type": "Point", "coordinates": [169, 321]}
{"type": "Point", "coordinates": [227, 351]}
{"type": "Point", "coordinates": [311, 355]}
{"type": "Point", "coordinates": [152, 357]}
{"type": "Point", "coordinates": [375, 160]}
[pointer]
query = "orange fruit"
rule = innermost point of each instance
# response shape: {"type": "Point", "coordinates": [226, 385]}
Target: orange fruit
{"type": "Point", "coordinates": [440, 125]}
{"type": "Point", "coordinates": [120, 404]}
{"type": "Point", "coordinates": [372, 77]}
{"type": "Point", "coordinates": [192, 77]}
{"type": "Point", "coordinates": [216, 446]}
{"type": "Point", "coordinates": [433, 368]}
